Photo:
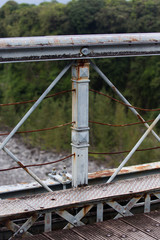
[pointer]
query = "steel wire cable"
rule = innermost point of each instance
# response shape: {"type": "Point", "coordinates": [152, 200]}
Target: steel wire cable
{"type": "Point", "coordinates": [66, 124]}
{"type": "Point", "coordinates": [38, 164]}
{"type": "Point", "coordinates": [39, 130]}
{"type": "Point", "coordinates": [120, 125]}
{"type": "Point", "coordinates": [127, 151]}
{"type": "Point", "coordinates": [116, 100]}
{"type": "Point", "coordinates": [34, 100]}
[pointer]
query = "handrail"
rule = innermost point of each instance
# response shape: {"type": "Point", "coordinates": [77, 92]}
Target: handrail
{"type": "Point", "coordinates": [22, 49]}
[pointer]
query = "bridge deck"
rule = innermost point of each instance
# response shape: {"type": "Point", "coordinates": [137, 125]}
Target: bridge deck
{"type": "Point", "coordinates": [15, 208]}
{"type": "Point", "coordinates": [138, 227]}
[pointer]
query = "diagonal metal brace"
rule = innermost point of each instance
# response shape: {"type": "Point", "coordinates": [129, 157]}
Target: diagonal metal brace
{"type": "Point", "coordinates": [69, 217]}
{"type": "Point", "coordinates": [74, 220]}
{"type": "Point", "coordinates": [14, 228]}
{"type": "Point", "coordinates": [96, 68]}
{"type": "Point", "coordinates": [134, 149]}
{"type": "Point", "coordinates": [23, 229]}
{"type": "Point", "coordinates": [123, 211]}
{"type": "Point", "coordinates": [26, 169]}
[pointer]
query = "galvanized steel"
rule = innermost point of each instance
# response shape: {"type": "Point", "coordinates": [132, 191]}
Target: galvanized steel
{"type": "Point", "coordinates": [78, 196]}
{"type": "Point", "coordinates": [78, 47]}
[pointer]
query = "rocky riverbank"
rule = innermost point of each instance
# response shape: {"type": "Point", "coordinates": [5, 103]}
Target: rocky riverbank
{"type": "Point", "coordinates": [30, 155]}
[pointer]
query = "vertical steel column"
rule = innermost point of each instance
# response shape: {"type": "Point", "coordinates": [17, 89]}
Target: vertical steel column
{"type": "Point", "coordinates": [80, 129]}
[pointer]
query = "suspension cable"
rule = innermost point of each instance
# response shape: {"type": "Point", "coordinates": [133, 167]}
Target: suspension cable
{"type": "Point", "coordinates": [35, 165]}
{"type": "Point", "coordinates": [34, 100]}
{"type": "Point", "coordinates": [121, 125]}
{"type": "Point", "coordinates": [112, 153]}
{"type": "Point", "coordinates": [40, 130]}
{"type": "Point", "coordinates": [116, 100]}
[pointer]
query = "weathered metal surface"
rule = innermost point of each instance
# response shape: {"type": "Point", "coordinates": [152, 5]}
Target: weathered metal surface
{"type": "Point", "coordinates": [64, 234]}
{"type": "Point", "coordinates": [48, 222]}
{"type": "Point", "coordinates": [144, 223]}
{"type": "Point", "coordinates": [36, 237]}
{"type": "Point", "coordinates": [147, 203]}
{"type": "Point", "coordinates": [78, 47]}
{"type": "Point", "coordinates": [123, 230]}
{"type": "Point", "coordinates": [23, 229]}
{"type": "Point", "coordinates": [79, 216]}
{"type": "Point", "coordinates": [14, 227]}
{"type": "Point", "coordinates": [124, 210]}
{"type": "Point", "coordinates": [125, 170]}
{"type": "Point", "coordinates": [93, 232]}
{"type": "Point", "coordinates": [155, 215]}
{"type": "Point", "coordinates": [80, 129]}
{"type": "Point", "coordinates": [100, 212]}
{"type": "Point", "coordinates": [79, 196]}
{"type": "Point", "coordinates": [34, 186]}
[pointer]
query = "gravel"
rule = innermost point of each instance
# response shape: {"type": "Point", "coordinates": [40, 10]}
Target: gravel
{"type": "Point", "coordinates": [28, 155]}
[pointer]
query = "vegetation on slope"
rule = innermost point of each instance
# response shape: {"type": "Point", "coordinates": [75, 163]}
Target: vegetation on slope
{"type": "Point", "coordinates": [138, 78]}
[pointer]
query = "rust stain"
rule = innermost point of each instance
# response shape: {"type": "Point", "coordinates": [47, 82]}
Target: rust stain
{"type": "Point", "coordinates": [21, 165]}
{"type": "Point", "coordinates": [138, 168]}
{"type": "Point", "coordinates": [85, 210]}
{"type": "Point", "coordinates": [142, 167]}
{"type": "Point", "coordinates": [140, 118]}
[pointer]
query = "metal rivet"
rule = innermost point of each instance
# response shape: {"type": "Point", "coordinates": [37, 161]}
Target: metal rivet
{"type": "Point", "coordinates": [148, 230]}
{"type": "Point", "coordinates": [53, 199]}
{"type": "Point", "coordinates": [108, 235]}
{"type": "Point", "coordinates": [123, 236]}
{"type": "Point", "coordinates": [157, 224]}
{"type": "Point", "coordinates": [42, 207]}
{"type": "Point", "coordinates": [134, 230]}
{"type": "Point", "coordinates": [75, 221]}
{"type": "Point", "coordinates": [26, 210]}
{"type": "Point", "coordinates": [21, 231]}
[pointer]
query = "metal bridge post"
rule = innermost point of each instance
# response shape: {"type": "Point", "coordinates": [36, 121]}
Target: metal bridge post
{"type": "Point", "coordinates": [80, 129]}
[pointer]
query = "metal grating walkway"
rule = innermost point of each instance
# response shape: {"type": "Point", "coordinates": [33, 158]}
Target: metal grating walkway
{"type": "Point", "coordinates": [138, 227]}
{"type": "Point", "coordinates": [77, 196]}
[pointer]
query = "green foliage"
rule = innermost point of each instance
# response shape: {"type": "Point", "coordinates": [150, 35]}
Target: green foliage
{"type": "Point", "coordinates": [137, 78]}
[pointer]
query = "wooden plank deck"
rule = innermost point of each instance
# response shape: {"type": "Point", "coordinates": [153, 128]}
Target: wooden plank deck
{"type": "Point", "coordinates": [137, 227]}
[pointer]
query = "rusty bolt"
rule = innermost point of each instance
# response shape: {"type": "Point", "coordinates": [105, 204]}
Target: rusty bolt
{"type": "Point", "coordinates": [54, 171]}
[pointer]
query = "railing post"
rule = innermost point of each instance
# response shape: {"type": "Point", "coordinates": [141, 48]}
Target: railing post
{"type": "Point", "coordinates": [80, 129]}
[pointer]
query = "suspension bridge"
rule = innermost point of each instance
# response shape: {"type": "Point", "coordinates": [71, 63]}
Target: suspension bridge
{"type": "Point", "coordinates": [86, 198]}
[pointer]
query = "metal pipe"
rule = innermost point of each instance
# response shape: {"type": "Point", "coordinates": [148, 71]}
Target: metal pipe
{"type": "Point", "coordinates": [79, 40]}
{"type": "Point", "coordinates": [122, 97]}
{"type": "Point", "coordinates": [26, 169]}
{"type": "Point", "coordinates": [49, 48]}
{"type": "Point", "coordinates": [134, 149]}
{"type": "Point", "coordinates": [35, 105]}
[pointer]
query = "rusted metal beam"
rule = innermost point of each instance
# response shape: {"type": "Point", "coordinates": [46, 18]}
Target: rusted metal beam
{"type": "Point", "coordinates": [78, 47]}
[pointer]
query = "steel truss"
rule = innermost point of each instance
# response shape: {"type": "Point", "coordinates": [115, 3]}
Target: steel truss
{"type": "Point", "coordinates": [117, 204]}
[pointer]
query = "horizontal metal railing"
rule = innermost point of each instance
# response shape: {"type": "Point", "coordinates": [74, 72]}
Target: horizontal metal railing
{"type": "Point", "coordinates": [50, 48]}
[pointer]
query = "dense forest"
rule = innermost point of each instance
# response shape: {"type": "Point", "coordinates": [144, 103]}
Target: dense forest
{"type": "Point", "coordinates": [138, 78]}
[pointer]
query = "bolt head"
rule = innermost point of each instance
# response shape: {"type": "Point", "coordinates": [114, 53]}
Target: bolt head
{"type": "Point", "coordinates": [85, 51]}
{"type": "Point", "coordinates": [21, 231]}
